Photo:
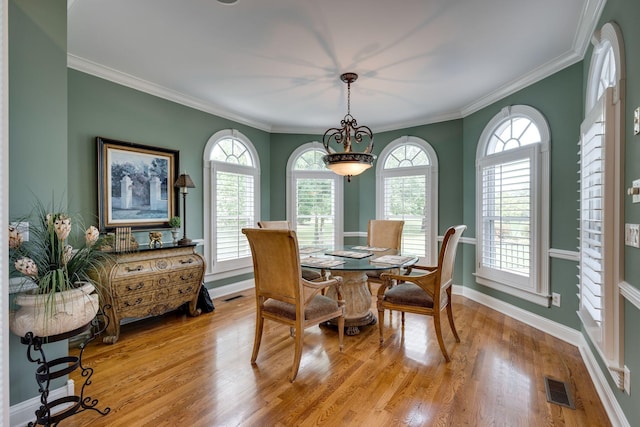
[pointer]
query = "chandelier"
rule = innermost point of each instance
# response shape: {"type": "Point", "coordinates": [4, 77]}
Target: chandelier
{"type": "Point", "coordinates": [348, 163]}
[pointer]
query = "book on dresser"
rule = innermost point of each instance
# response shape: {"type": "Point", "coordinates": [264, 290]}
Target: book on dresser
{"type": "Point", "coordinates": [150, 282]}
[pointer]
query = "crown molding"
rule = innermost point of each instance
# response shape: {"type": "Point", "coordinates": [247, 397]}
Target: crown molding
{"type": "Point", "coordinates": [103, 72]}
{"type": "Point", "coordinates": [588, 21]}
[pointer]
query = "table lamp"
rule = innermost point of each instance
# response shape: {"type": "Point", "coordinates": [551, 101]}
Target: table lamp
{"type": "Point", "coordinates": [184, 182]}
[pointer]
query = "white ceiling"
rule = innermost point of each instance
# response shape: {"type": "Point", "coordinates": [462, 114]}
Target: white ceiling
{"type": "Point", "coordinates": [275, 64]}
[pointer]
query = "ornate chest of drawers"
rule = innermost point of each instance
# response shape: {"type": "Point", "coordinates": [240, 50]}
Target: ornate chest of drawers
{"type": "Point", "coordinates": [150, 282]}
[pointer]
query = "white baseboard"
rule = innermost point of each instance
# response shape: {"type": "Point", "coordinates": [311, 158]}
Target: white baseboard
{"type": "Point", "coordinates": [21, 414]}
{"type": "Point", "coordinates": [569, 335]}
{"type": "Point", "coordinates": [231, 288]}
{"type": "Point", "coordinates": [614, 411]}
{"type": "Point", "coordinates": [555, 329]}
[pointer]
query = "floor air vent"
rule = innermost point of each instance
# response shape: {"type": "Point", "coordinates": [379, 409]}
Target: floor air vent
{"type": "Point", "coordinates": [232, 298]}
{"type": "Point", "coordinates": [558, 393]}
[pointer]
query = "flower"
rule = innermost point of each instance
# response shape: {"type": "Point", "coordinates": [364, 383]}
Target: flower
{"type": "Point", "coordinates": [27, 267]}
{"type": "Point", "coordinates": [15, 237]}
{"type": "Point", "coordinates": [67, 254]}
{"type": "Point", "coordinates": [91, 236]}
{"type": "Point", "coordinates": [47, 258]}
{"type": "Point", "coordinates": [62, 226]}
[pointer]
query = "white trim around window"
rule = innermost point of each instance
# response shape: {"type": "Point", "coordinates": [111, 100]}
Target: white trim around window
{"type": "Point", "coordinates": [429, 171]}
{"type": "Point", "coordinates": [229, 268]}
{"type": "Point", "coordinates": [533, 285]}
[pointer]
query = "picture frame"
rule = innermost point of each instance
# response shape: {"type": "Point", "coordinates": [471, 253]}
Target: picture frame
{"type": "Point", "coordinates": [135, 185]}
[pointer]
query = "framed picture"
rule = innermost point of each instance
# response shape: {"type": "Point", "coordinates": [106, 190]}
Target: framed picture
{"type": "Point", "coordinates": [135, 185]}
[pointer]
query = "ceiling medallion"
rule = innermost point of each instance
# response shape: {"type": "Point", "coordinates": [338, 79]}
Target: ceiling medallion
{"type": "Point", "coordinates": [348, 163]}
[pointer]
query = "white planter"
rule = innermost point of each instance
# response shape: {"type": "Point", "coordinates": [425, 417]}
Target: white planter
{"type": "Point", "coordinates": [72, 309]}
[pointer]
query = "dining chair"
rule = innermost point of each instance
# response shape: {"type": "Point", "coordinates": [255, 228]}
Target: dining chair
{"type": "Point", "coordinates": [428, 294]}
{"type": "Point", "coordinates": [283, 295]}
{"type": "Point", "coordinates": [279, 225]}
{"type": "Point", "coordinates": [307, 273]}
{"type": "Point", "coordinates": [383, 233]}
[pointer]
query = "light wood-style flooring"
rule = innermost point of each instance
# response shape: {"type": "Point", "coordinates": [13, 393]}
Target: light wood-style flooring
{"type": "Point", "coordinates": [176, 370]}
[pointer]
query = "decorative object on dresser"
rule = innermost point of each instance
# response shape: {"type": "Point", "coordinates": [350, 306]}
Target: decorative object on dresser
{"type": "Point", "coordinates": [155, 239]}
{"type": "Point", "coordinates": [150, 282]}
{"type": "Point", "coordinates": [184, 182]}
{"type": "Point", "coordinates": [174, 223]}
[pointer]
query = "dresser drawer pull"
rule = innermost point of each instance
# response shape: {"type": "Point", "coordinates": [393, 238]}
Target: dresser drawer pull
{"type": "Point", "coordinates": [188, 277]}
{"type": "Point", "coordinates": [186, 291]}
{"type": "Point", "coordinates": [136, 287]}
{"type": "Point", "coordinates": [189, 261]}
{"type": "Point", "coordinates": [130, 269]}
{"type": "Point", "coordinates": [137, 302]}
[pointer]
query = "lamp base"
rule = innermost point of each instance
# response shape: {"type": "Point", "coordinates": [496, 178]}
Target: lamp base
{"type": "Point", "coordinates": [184, 242]}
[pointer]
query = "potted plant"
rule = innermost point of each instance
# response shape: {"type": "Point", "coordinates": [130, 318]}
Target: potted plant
{"type": "Point", "coordinates": [62, 294]}
{"type": "Point", "coordinates": [174, 223]}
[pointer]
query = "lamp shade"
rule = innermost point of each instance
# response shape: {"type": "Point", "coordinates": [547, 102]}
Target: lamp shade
{"type": "Point", "coordinates": [349, 164]}
{"type": "Point", "coordinates": [184, 181]}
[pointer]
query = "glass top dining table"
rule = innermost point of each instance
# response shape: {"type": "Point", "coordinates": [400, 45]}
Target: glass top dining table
{"type": "Point", "coordinates": [352, 264]}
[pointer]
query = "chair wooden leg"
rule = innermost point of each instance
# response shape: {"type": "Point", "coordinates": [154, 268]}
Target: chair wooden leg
{"type": "Point", "coordinates": [450, 315]}
{"type": "Point", "coordinates": [436, 321]}
{"type": "Point", "coordinates": [402, 318]}
{"type": "Point", "coordinates": [381, 324]}
{"type": "Point", "coordinates": [297, 354]}
{"type": "Point", "coordinates": [257, 338]}
{"type": "Point", "coordinates": [341, 332]}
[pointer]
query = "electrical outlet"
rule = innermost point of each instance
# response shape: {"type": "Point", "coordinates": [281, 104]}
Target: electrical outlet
{"type": "Point", "coordinates": [555, 299]}
{"type": "Point", "coordinates": [636, 121]}
{"type": "Point", "coordinates": [635, 186]}
{"type": "Point", "coordinates": [627, 380]}
{"type": "Point", "coordinates": [632, 235]}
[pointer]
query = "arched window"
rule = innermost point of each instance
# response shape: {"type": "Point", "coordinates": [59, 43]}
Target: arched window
{"type": "Point", "coordinates": [601, 267]}
{"type": "Point", "coordinates": [231, 200]}
{"type": "Point", "coordinates": [407, 183]}
{"type": "Point", "coordinates": [512, 204]}
{"type": "Point", "coordinates": [314, 198]}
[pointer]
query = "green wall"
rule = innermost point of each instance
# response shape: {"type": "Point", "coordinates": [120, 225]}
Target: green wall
{"type": "Point", "coordinates": [559, 99]}
{"type": "Point", "coordinates": [99, 107]}
{"type": "Point", "coordinates": [55, 115]}
{"type": "Point", "coordinates": [626, 13]}
{"type": "Point", "coordinates": [37, 139]}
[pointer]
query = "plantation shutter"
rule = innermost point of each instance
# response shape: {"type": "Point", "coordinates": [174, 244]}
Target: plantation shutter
{"type": "Point", "coordinates": [596, 156]}
{"type": "Point", "coordinates": [506, 213]}
{"type": "Point", "coordinates": [315, 211]}
{"type": "Point", "coordinates": [405, 198]}
{"type": "Point", "coordinates": [235, 210]}
{"type": "Point", "coordinates": [509, 188]}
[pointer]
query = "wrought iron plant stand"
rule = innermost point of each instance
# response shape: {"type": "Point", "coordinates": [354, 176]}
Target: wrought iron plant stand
{"type": "Point", "coordinates": [49, 370]}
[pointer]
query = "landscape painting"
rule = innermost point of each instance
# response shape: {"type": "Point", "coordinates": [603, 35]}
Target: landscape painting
{"type": "Point", "coordinates": [135, 185]}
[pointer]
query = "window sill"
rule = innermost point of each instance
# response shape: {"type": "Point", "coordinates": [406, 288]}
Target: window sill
{"type": "Point", "coordinates": [540, 299]}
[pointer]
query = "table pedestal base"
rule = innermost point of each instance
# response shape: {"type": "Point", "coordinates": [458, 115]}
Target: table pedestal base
{"type": "Point", "coordinates": [357, 301]}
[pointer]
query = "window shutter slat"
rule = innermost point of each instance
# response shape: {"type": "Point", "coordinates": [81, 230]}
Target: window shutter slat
{"type": "Point", "coordinates": [315, 211]}
{"type": "Point", "coordinates": [234, 211]}
{"type": "Point", "coordinates": [506, 216]}
{"type": "Point", "coordinates": [405, 198]}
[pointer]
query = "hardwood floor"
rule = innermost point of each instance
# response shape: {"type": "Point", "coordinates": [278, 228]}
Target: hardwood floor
{"type": "Point", "coordinates": [177, 370]}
